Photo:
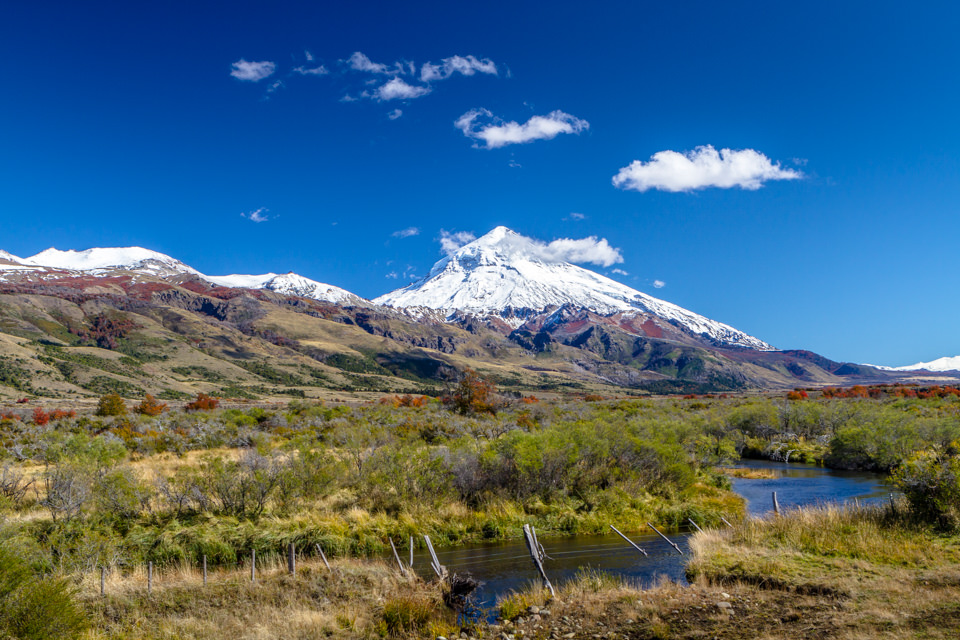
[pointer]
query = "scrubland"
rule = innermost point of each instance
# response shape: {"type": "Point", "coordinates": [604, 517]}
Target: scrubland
{"type": "Point", "coordinates": [85, 492]}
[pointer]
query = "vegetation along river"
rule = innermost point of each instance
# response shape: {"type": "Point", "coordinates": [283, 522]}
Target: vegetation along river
{"type": "Point", "coordinates": [505, 567]}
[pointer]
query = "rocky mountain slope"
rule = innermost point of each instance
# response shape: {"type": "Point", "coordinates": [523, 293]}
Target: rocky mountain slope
{"type": "Point", "coordinates": [131, 320]}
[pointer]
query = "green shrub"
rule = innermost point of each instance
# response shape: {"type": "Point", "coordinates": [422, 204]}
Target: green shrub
{"type": "Point", "coordinates": [33, 607]}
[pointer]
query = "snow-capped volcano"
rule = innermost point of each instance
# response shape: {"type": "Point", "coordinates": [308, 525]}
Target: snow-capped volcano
{"type": "Point", "coordinates": [100, 261]}
{"type": "Point", "coordinates": [940, 364]}
{"type": "Point", "coordinates": [504, 272]}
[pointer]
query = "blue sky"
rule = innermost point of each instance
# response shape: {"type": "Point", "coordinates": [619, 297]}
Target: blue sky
{"type": "Point", "coordinates": [122, 125]}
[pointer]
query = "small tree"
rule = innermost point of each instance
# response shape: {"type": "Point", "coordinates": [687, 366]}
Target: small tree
{"type": "Point", "coordinates": [150, 406]}
{"type": "Point", "coordinates": [111, 405]}
{"type": "Point", "coordinates": [473, 394]}
{"type": "Point", "coordinates": [203, 403]}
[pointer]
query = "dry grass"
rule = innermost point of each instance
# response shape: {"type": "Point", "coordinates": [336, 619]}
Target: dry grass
{"type": "Point", "coordinates": [750, 474]}
{"type": "Point", "coordinates": [355, 600]}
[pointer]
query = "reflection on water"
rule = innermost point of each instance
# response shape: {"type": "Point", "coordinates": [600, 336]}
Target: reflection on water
{"type": "Point", "coordinates": [801, 485]}
{"type": "Point", "coordinates": [504, 567]}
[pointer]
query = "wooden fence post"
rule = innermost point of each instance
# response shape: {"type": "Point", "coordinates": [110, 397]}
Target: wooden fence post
{"type": "Point", "coordinates": [396, 557]}
{"type": "Point", "coordinates": [632, 544]}
{"type": "Point", "coordinates": [673, 544]}
{"type": "Point", "coordinates": [776, 505]}
{"type": "Point", "coordinates": [724, 521]}
{"type": "Point", "coordinates": [695, 526]}
{"type": "Point", "coordinates": [103, 581]}
{"type": "Point", "coordinates": [204, 569]}
{"type": "Point", "coordinates": [253, 565]}
{"type": "Point", "coordinates": [438, 568]}
{"type": "Point", "coordinates": [323, 556]}
{"type": "Point", "coordinates": [292, 559]}
{"type": "Point", "coordinates": [411, 551]}
{"type": "Point", "coordinates": [149, 576]}
{"type": "Point", "coordinates": [535, 556]}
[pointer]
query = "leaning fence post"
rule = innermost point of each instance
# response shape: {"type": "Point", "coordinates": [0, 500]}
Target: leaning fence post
{"type": "Point", "coordinates": [323, 556]}
{"type": "Point", "coordinates": [204, 570]}
{"type": "Point", "coordinates": [149, 576]}
{"type": "Point", "coordinates": [673, 544]}
{"type": "Point", "coordinates": [411, 552]}
{"type": "Point", "coordinates": [253, 565]}
{"type": "Point", "coordinates": [535, 555]}
{"type": "Point", "coordinates": [438, 568]}
{"type": "Point", "coordinates": [724, 521]}
{"type": "Point", "coordinates": [292, 559]}
{"type": "Point", "coordinates": [695, 526]}
{"type": "Point", "coordinates": [396, 557]}
{"type": "Point", "coordinates": [776, 505]}
{"type": "Point", "coordinates": [632, 544]}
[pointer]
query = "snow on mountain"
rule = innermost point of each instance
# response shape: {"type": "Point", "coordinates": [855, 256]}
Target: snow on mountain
{"type": "Point", "coordinates": [9, 256]}
{"type": "Point", "coordinates": [289, 284]}
{"type": "Point", "coordinates": [144, 261]}
{"type": "Point", "coordinates": [503, 272]}
{"type": "Point", "coordinates": [940, 364]}
{"type": "Point", "coordinates": [127, 258]}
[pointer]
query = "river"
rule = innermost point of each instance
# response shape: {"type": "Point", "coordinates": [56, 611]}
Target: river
{"type": "Point", "coordinates": [506, 566]}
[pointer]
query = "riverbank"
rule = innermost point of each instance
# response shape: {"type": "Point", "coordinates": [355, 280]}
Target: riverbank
{"type": "Point", "coordinates": [852, 573]}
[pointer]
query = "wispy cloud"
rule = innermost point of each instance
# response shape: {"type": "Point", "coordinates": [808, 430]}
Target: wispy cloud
{"type": "Point", "coordinates": [258, 215]}
{"type": "Point", "coordinates": [576, 216]}
{"type": "Point", "coordinates": [311, 71]}
{"type": "Point", "coordinates": [252, 71]}
{"type": "Point", "coordinates": [393, 275]}
{"type": "Point", "coordinates": [465, 65]}
{"type": "Point", "coordinates": [308, 56]}
{"type": "Point", "coordinates": [702, 168]}
{"type": "Point", "coordinates": [451, 241]}
{"type": "Point", "coordinates": [659, 284]}
{"type": "Point", "coordinates": [406, 233]}
{"type": "Point", "coordinates": [397, 89]}
{"type": "Point", "coordinates": [360, 62]}
{"type": "Point", "coordinates": [396, 113]}
{"type": "Point", "coordinates": [497, 133]}
{"type": "Point", "coordinates": [619, 272]}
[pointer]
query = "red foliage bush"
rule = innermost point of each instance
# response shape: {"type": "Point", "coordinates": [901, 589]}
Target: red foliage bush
{"type": "Point", "coordinates": [203, 403]}
{"type": "Point", "coordinates": [40, 417]}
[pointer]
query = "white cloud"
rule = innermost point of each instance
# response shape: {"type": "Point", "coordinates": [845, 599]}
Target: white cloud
{"type": "Point", "coordinates": [259, 215]}
{"type": "Point", "coordinates": [406, 233]}
{"type": "Point", "coordinates": [275, 86]}
{"type": "Point", "coordinates": [397, 89]}
{"type": "Point", "coordinates": [360, 62]}
{"type": "Point", "coordinates": [620, 272]}
{"type": "Point", "coordinates": [450, 242]}
{"type": "Point", "coordinates": [659, 284]}
{"type": "Point", "coordinates": [701, 168]}
{"type": "Point", "coordinates": [396, 113]}
{"type": "Point", "coordinates": [585, 250]}
{"type": "Point", "coordinates": [577, 216]}
{"type": "Point", "coordinates": [465, 65]}
{"type": "Point", "coordinates": [252, 71]}
{"type": "Point", "coordinates": [393, 275]}
{"type": "Point", "coordinates": [308, 55]}
{"type": "Point", "coordinates": [500, 134]}
{"type": "Point", "coordinates": [315, 71]}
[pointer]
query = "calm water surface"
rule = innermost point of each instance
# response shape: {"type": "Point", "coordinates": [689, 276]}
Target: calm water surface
{"type": "Point", "coordinates": [506, 566]}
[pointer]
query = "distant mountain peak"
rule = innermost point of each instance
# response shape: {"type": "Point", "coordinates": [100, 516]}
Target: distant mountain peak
{"type": "Point", "coordinates": [127, 258]}
{"type": "Point", "coordinates": [503, 272]}
{"type": "Point", "coordinates": [948, 363]}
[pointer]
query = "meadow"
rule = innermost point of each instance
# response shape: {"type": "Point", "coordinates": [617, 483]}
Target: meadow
{"type": "Point", "coordinates": [172, 486]}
